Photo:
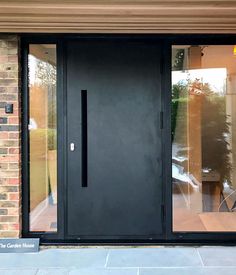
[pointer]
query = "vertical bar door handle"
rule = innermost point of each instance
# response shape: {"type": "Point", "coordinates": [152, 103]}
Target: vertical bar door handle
{"type": "Point", "coordinates": [84, 139]}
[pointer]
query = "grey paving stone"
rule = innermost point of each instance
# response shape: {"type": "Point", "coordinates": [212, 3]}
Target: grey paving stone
{"type": "Point", "coordinates": [218, 256]}
{"type": "Point", "coordinates": [53, 271]}
{"type": "Point", "coordinates": [188, 271]}
{"type": "Point", "coordinates": [18, 271]}
{"type": "Point", "coordinates": [154, 257]}
{"type": "Point", "coordinates": [220, 271]}
{"type": "Point", "coordinates": [171, 271]}
{"type": "Point", "coordinates": [56, 258]}
{"type": "Point", "coordinates": [105, 271]}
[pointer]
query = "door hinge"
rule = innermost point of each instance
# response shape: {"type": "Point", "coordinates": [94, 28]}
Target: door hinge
{"type": "Point", "coordinates": [161, 120]}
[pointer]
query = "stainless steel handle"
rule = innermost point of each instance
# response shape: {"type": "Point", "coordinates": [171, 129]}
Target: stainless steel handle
{"type": "Point", "coordinates": [72, 147]}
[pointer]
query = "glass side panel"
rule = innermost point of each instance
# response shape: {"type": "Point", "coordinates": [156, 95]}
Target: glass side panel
{"type": "Point", "coordinates": [204, 138]}
{"type": "Point", "coordinates": [42, 137]}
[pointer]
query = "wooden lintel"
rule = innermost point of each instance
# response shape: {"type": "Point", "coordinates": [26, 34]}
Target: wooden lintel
{"type": "Point", "coordinates": [118, 16]}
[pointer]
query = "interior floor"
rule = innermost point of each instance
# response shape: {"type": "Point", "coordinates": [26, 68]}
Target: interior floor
{"type": "Point", "coordinates": [185, 219]}
{"type": "Point", "coordinates": [44, 219]}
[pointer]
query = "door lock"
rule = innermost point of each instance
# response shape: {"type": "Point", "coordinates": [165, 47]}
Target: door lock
{"type": "Point", "coordinates": [72, 147]}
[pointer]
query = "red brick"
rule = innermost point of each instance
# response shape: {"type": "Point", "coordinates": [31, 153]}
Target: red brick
{"type": "Point", "coordinates": [4, 135]}
{"type": "Point", "coordinates": [13, 226]}
{"type": "Point", "coordinates": [14, 135]}
{"type": "Point", "coordinates": [10, 175]}
{"type": "Point", "coordinates": [3, 74]}
{"type": "Point", "coordinates": [9, 234]}
{"type": "Point", "coordinates": [9, 158]}
{"type": "Point", "coordinates": [12, 219]}
{"type": "Point", "coordinates": [10, 90]}
{"type": "Point", "coordinates": [13, 120]}
{"type": "Point", "coordinates": [7, 97]}
{"type": "Point", "coordinates": [9, 204]}
{"type": "Point", "coordinates": [3, 58]}
{"type": "Point", "coordinates": [14, 150]}
{"type": "Point", "coordinates": [15, 112]}
{"type": "Point", "coordinates": [13, 196]}
{"type": "Point", "coordinates": [14, 181]}
{"type": "Point", "coordinates": [4, 181]}
{"type": "Point", "coordinates": [13, 165]}
{"type": "Point", "coordinates": [4, 166]}
{"type": "Point", "coordinates": [9, 189]}
{"type": "Point", "coordinates": [13, 211]}
{"type": "Point", "coordinates": [4, 226]}
{"type": "Point", "coordinates": [12, 58]}
{"type": "Point", "coordinates": [8, 143]}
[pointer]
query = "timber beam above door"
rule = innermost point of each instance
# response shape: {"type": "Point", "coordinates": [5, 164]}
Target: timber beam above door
{"type": "Point", "coordinates": [118, 16]}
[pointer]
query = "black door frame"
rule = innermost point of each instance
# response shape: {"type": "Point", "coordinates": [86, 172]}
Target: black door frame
{"type": "Point", "coordinates": [59, 235]}
{"type": "Point", "coordinates": [166, 42]}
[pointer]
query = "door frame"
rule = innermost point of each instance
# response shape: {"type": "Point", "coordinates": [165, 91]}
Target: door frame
{"type": "Point", "coordinates": [166, 41]}
{"type": "Point", "coordinates": [213, 238]}
{"type": "Point", "coordinates": [44, 236]}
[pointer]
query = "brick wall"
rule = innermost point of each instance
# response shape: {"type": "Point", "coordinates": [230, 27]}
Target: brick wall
{"type": "Point", "coordinates": [10, 176]}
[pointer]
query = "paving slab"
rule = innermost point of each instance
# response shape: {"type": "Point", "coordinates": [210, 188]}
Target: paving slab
{"type": "Point", "coordinates": [218, 256]}
{"type": "Point", "coordinates": [154, 257]}
{"type": "Point", "coordinates": [52, 271]}
{"type": "Point", "coordinates": [105, 271]}
{"type": "Point", "coordinates": [18, 271]}
{"type": "Point", "coordinates": [122, 261]}
{"type": "Point", "coordinates": [188, 271]}
{"type": "Point", "coordinates": [64, 258]}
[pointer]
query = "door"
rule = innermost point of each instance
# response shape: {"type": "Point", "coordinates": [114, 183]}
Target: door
{"type": "Point", "coordinates": [114, 169]}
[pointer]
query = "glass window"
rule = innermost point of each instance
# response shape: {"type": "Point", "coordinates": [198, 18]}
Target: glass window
{"type": "Point", "coordinates": [42, 137]}
{"type": "Point", "coordinates": [204, 138]}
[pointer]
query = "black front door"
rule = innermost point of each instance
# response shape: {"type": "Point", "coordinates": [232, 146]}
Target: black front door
{"type": "Point", "coordinates": [114, 168]}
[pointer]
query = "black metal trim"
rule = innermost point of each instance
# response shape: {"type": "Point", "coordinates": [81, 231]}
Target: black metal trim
{"type": "Point", "coordinates": [187, 238]}
{"type": "Point", "coordinates": [166, 136]}
{"type": "Point", "coordinates": [61, 135]}
{"type": "Point", "coordinates": [24, 137]}
{"type": "Point", "coordinates": [136, 242]}
{"type": "Point", "coordinates": [25, 42]}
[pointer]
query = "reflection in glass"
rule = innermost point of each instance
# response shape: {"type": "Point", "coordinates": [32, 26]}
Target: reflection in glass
{"type": "Point", "coordinates": [42, 137]}
{"type": "Point", "coordinates": [204, 138]}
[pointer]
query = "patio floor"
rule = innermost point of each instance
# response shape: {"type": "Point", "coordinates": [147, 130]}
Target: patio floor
{"type": "Point", "coordinates": [122, 261]}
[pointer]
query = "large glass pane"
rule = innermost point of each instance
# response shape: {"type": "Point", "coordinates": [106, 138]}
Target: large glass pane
{"type": "Point", "coordinates": [204, 138]}
{"type": "Point", "coordinates": [42, 137]}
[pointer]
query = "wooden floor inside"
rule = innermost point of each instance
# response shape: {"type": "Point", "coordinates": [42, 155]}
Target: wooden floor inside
{"type": "Point", "coordinates": [44, 220]}
{"type": "Point", "coordinates": [187, 220]}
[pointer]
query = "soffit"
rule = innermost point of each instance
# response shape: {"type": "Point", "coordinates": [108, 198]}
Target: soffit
{"type": "Point", "coordinates": [118, 16]}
